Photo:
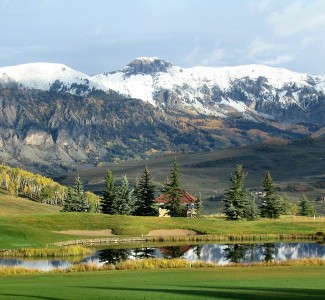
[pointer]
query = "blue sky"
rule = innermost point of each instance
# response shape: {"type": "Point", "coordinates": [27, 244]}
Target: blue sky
{"type": "Point", "coordinates": [96, 36]}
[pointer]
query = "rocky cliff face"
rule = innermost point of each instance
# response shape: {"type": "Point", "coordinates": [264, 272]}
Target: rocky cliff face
{"type": "Point", "coordinates": [51, 132]}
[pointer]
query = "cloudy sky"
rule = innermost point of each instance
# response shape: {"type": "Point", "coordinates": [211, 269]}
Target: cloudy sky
{"type": "Point", "coordinates": [96, 36]}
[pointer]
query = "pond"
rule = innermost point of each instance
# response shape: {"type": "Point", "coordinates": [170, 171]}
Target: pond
{"type": "Point", "coordinates": [220, 254]}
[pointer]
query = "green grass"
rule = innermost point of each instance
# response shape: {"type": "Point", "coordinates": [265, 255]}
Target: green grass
{"type": "Point", "coordinates": [38, 230]}
{"type": "Point", "coordinates": [220, 283]}
{"type": "Point", "coordinates": [10, 205]}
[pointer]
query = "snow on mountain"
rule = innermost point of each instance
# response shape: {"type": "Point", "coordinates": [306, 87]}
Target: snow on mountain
{"type": "Point", "coordinates": [245, 90]}
{"type": "Point", "coordinates": [49, 76]}
{"type": "Point", "coordinates": [216, 91]}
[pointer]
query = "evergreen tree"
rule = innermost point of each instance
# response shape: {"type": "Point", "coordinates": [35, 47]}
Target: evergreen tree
{"type": "Point", "coordinates": [305, 207]}
{"type": "Point", "coordinates": [198, 206]}
{"type": "Point", "coordinates": [76, 199]}
{"type": "Point", "coordinates": [124, 198]}
{"type": "Point", "coordinates": [271, 206]}
{"type": "Point", "coordinates": [80, 203]}
{"type": "Point", "coordinates": [67, 202]}
{"type": "Point", "coordinates": [173, 192]}
{"type": "Point", "coordinates": [235, 196]}
{"type": "Point", "coordinates": [250, 207]}
{"type": "Point", "coordinates": [107, 202]}
{"type": "Point", "coordinates": [145, 196]}
{"type": "Point", "coordinates": [286, 207]}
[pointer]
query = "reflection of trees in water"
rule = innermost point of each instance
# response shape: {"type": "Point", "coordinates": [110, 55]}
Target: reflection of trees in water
{"type": "Point", "coordinates": [174, 251]}
{"type": "Point", "coordinates": [141, 253]}
{"type": "Point", "coordinates": [197, 249]}
{"type": "Point", "coordinates": [113, 256]}
{"type": "Point", "coordinates": [268, 252]}
{"type": "Point", "coordinates": [236, 252]}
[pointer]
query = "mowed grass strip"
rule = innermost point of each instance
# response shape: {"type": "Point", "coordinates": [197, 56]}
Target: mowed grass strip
{"type": "Point", "coordinates": [219, 283]}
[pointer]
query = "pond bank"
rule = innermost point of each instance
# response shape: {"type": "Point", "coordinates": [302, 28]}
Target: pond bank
{"type": "Point", "coordinates": [319, 236]}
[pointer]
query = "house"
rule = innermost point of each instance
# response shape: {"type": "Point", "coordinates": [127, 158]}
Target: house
{"type": "Point", "coordinates": [187, 202]}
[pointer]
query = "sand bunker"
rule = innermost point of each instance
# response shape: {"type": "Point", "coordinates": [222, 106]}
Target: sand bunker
{"type": "Point", "coordinates": [171, 232]}
{"type": "Point", "coordinates": [105, 232]}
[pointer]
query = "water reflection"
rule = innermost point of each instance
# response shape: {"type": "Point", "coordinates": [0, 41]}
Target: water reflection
{"type": "Point", "coordinates": [269, 252]}
{"type": "Point", "coordinates": [217, 253]}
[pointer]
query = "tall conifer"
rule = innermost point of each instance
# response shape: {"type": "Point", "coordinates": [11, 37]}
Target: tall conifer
{"type": "Point", "coordinates": [271, 205]}
{"type": "Point", "coordinates": [145, 196]}
{"type": "Point", "coordinates": [107, 202]}
{"type": "Point", "coordinates": [235, 195]}
{"type": "Point", "coordinates": [172, 190]}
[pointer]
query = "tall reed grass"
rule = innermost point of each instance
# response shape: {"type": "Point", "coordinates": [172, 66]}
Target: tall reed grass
{"type": "Point", "coordinates": [158, 263]}
{"type": "Point", "coordinates": [74, 250]}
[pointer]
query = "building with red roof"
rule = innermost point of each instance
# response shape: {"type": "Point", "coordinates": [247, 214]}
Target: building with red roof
{"type": "Point", "coordinates": [187, 202]}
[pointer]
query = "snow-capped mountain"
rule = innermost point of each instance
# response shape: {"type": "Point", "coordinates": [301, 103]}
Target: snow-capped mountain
{"type": "Point", "coordinates": [250, 91]}
{"type": "Point", "coordinates": [48, 77]}
{"type": "Point", "coordinates": [256, 89]}
{"type": "Point", "coordinates": [53, 115]}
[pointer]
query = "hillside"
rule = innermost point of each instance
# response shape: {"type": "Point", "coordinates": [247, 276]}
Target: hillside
{"type": "Point", "coordinates": [52, 132]}
{"type": "Point", "coordinates": [296, 168]}
{"type": "Point", "coordinates": [11, 206]}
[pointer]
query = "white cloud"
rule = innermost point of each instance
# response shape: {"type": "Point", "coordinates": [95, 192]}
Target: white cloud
{"type": "Point", "coordinates": [204, 57]}
{"type": "Point", "coordinates": [297, 17]}
{"type": "Point", "coordinates": [281, 59]}
{"type": "Point", "coordinates": [268, 53]}
{"type": "Point", "coordinates": [259, 47]}
{"type": "Point", "coordinates": [214, 56]}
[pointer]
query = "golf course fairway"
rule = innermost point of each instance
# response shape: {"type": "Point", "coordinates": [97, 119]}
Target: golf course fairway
{"type": "Point", "coordinates": [211, 283]}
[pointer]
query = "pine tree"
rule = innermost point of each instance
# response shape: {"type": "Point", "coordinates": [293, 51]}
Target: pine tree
{"type": "Point", "coordinates": [286, 208]}
{"type": "Point", "coordinates": [235, 196]}
{"type": "Point", "coordinates": [107, 202]}
{"type": "Point", "coordinates": [67, 202]}
{"type": "Point", "coordinates": [76, 199]}
{"type": "Point", "coordinates": [250, 207]}
{"type": "Point", "coordinates": [198, 206]}
{"type": "Point", "coordinates": [173, 192]}
{"type": "Point", "coordinates": [305, 207]}
{"type": "Point", "coordinates": [124, 198]}
{"type": "Point", "coordinates": [79, 197]}
{"type": "Point", "coordinates": [145, 196]}
{"type": "Point", "coordinates": [271, 206]}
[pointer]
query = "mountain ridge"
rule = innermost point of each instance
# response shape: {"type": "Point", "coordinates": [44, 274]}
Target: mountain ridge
{"type": "Point", "coordinates": [53, 118]}
{"type": "Point", "coordinates": [247, 90]}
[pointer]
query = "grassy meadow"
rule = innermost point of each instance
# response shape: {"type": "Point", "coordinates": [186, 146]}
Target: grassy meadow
{"type": "Point", "coordinates": [296, 168]}
{"type": "Point", "coordinates": [212, 283]}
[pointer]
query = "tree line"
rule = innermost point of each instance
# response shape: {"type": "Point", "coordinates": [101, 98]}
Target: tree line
{"type": "Point", "coordinates": [138, 200]}
{"type": "Point", "coordinates": [241, 204]}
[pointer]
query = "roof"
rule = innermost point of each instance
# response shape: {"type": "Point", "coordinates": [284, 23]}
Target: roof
{"type": "Point", "coordinates": [186, 198]}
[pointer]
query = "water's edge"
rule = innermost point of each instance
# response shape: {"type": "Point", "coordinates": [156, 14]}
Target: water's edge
{"type": "Point", "coordinates": [319, 236]}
